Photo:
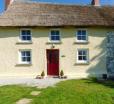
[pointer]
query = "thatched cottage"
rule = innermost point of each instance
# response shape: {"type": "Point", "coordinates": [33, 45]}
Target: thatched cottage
{"type": "Point", "coordinates": [36, 37]}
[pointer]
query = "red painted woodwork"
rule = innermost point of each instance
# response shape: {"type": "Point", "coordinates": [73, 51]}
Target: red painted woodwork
{"type": "Point", "coordinates": [53, 62]}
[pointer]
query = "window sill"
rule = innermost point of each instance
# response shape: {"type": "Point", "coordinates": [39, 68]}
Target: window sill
{"type": "Point", "coordinates": [22, 64]}
{"type": "Point", "coordinates": [80, 42]}
{"type": "Point", "coordinates": [54, 42]}
{"type": "Point", "coordinates": [82, 63]}
{"type": "Point", "coordinates": [22, 42]}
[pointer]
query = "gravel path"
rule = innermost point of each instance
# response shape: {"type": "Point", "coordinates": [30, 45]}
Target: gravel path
{"type": "Point", "coordinates": [40, 83]}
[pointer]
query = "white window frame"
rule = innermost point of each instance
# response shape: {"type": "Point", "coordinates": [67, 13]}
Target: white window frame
{"type": "Point", "coordinates": [87, 55]}
{"type": "Point", "coordinates": [54, 41]}
{"type": "Point", "coordinates": [20, 56]}
{"type": "Point", "coordinates": [81, 41]}
{"type": "Point", "coordinates": [26, 41]}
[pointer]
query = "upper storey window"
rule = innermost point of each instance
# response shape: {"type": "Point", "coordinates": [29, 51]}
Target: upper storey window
{"type": "Point", "coordinates": [25, 35]}
{"type": "Point", "coordinates": [81, 36]}
{"type": "Point", "coordinates": [55, 36]}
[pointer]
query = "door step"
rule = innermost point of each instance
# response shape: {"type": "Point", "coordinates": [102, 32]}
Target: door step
{"type": "Point", "coordinates": [50, 76]}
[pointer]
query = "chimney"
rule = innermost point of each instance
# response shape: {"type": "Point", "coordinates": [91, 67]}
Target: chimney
{"type": "Point", "coordinates": [95, 3]}
{"type": "Point", "coordinates": [7, 3]}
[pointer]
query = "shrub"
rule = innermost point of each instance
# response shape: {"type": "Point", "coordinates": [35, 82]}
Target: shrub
{"type": "Point", "coordinates": [43, 74]}
{"type": "Point", "coordinates": [61, 73]}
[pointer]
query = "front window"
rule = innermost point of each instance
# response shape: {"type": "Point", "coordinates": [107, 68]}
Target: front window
{"type": "Point", "coordinates": [25, 56]}
{"type": "Point", "coordinates": [81, 36]}
{"type": "Point", "coordinates": [82, 56]}
{"type": "Point", "coordinates": [25, 35]}
{"type": "Point", "coordinates": [55, 35]}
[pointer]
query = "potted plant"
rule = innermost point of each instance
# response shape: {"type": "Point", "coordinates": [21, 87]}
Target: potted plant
{"type": "Point", "coordinates": [42, 74]}
{"type": "Point", "coordinates": [38, 77]}
{"type": "Point", "coordinates": [61, 74]}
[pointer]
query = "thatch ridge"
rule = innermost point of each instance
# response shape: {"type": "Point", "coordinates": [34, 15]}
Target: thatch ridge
{"type": "Point", "coordinates": [44, 14]}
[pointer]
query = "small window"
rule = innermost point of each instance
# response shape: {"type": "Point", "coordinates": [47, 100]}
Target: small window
{"type": "Point", "coordinates": [81, 36]}
{"type": "Point", "coordinates": [25, 35]}
{"type": "Point", "coordinates": [55, 35]}
{"type": "Point", "coordinates": [82, 56]}
{"type": "Point", "coordinates": [25, 56]}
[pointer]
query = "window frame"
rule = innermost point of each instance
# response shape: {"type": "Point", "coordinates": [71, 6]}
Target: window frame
{"type": "Point", "coordinates": [20, 56]}
{"type": "Point", "coordinates": [87, 56]}
{"type": "Point", "coordinates": [20, 37]}
{"type": "Point", "coordinates": [81, 41]}
{"type": "Point", "coordinates": [55, 41]}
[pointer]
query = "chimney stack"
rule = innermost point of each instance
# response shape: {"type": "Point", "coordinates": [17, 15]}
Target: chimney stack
{"type": "Point", "coordinates": [7, 3]}
{"type": "Point", "coordinates": [95, 2]}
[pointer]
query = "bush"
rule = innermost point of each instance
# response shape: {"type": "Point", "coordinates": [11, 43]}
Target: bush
{"type": "Point", "coordinates": [61, 73]}
{"type": "Point", "coordinates": [43, 74]}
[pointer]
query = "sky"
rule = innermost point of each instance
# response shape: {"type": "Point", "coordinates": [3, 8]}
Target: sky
{"type": "Point", "coordinates": [103, 2]}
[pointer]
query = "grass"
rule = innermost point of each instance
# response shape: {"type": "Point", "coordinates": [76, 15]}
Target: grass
{"type": "Point", "coordinates": [11, 94]}
{"type": "Point", "coordinates": [66, 92]}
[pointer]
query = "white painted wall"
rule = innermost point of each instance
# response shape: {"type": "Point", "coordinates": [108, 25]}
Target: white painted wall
{"type": "Point", "coordinates": [9, 48]}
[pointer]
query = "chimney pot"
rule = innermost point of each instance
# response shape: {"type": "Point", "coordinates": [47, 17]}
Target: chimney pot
{"type": "Point", "coordinates": [95, 2]}
{"type": "Point", "coordinates": [7, 3]}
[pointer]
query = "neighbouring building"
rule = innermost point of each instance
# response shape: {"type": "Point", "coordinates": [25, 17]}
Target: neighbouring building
{"type": "Point", "coordinates": [35, 36]}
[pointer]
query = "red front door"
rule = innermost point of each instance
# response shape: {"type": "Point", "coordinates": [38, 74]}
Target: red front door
{"type": "Point", "coordinates": [53, 62]}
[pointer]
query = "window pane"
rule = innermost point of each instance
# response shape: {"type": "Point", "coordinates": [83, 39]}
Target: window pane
{"type": "Point", "coordinates": [28, 59]}
{"type": "Point", "coordinates": [28, 37]}
{"type": "Point", "coordinates": [23, 53]}
{"type": "Point", "coordinates": [79, 38]}
{"type": "Point", "coordinates": [84, 58]}
{"type": "Point", "coordinates": [23, 37]}
{"type": "Point", "coordinates": [52, 32]}
{"type": "Point", "coordinates": [84, 52]}
{"type": "Point", "coordinates": [52, 37]}
{"type": "Point", "coordinates": [79, 32]}
{"type": "Point", "coordinates": [83, 37]}
{"type": "Point", "coordinates": [23, 59]}
{"type": "Point", "coordinates": [83, 32]}
{"type": "Point", "coordinates": [57, 32]}
{"type": "Point", "coordinates": [80, 53]}
{"type": "Point", "coordinates": [57, 37]}
{"type": "Point", "coordinates": [28, 32]}
{"type": "Point", "coordinates": [80, 58]}
{"type": "Point", "coordinates": [23, 32]}
{"type": "Point", "coordinates": [27, 53]}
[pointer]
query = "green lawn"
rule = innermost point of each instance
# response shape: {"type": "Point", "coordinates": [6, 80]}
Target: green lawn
{"type": "Point", "coordinates": [66, 92]}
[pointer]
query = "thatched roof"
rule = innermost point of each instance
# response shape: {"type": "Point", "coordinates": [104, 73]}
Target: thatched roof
{"type": "Point", "coordinates": [42, 14]}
